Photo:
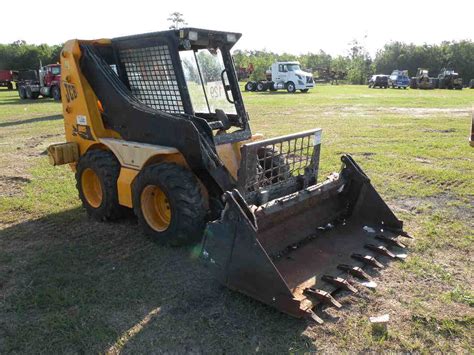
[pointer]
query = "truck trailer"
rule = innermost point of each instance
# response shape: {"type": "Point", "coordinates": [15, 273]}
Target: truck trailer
{"type": "Point", "coordinates": [6, 79]}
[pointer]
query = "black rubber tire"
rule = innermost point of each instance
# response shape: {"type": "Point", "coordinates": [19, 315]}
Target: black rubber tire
{"type": "Point", "coordinates": [261, 86]}
{"type": "Point", "coordinates": [56, 93]}
{"type": "Point", "coordinates": [290, 87]}
{"type": "Point", "coordinates": [188, 211]}
{"type": "Point", "coordinates": [22, 92]}
{"type": "Point", "coordinates": [106, 166]}
{"type": "Point", "coordinates": [304, 90]}
{"type": "Point", "coordinates": [30, 95]}
{"type": "Point", "coordinates": [273, 165]}
{"type": "Point", "coordinates": [271, 87]}
{"type": "Point", "coordinates": [441, 84]}
{"type": "Point", "coordinates": [250, 86]}
{"type": "Point", "coordinates": [10, 86]}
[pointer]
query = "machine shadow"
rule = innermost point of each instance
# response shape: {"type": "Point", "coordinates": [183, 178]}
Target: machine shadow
{"type": "Point", "coordinates": [18, 101]}
{"type": "Point", "coordinates": [111, 286]}
{"type": "Point", "coordinates": [31, 120]}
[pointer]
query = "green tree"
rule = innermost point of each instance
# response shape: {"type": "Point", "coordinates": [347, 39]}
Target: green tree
{"type": "Point", "coordinates": [177, 20]}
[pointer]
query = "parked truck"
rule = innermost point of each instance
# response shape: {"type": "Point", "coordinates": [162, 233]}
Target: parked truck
{"type": "Point", "coordinates": [399, 79]}
{"type": "Point", "coordinates": [45, 82]}
{"type": "Point", "coordinates": [449, 79]}
{"type": "Point", "coordinates": [283, 75]}
{"type": "Point", "coordinates": [6, 79]}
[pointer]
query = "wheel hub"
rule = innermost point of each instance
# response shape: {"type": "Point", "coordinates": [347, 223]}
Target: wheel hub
{"type": "Point", "coordinates": [156, 208]}
{"type": "Point", "coordinates": [91, 187]}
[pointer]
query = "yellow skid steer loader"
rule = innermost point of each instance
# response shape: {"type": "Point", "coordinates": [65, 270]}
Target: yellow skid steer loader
{"type": "Point", "coordinates": [156, 123]}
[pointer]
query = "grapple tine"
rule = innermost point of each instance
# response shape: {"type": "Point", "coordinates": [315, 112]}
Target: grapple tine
{"type": "Point", "coordinates": [381, 250]}
{"type": "Point", "coordinates": [339, 282]}
{"type": "Point", "coordinates": [391, 241]}
{"type": "Point", "coordinates": [368, 260]}
{"type": "Point", "coordinates": [323, 296]}
{"type": "Point", "coordinates": [355, 271]}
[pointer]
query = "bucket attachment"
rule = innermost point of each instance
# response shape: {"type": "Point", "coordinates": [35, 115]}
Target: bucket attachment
{"type": "Point", "coordinates": [291, 243]}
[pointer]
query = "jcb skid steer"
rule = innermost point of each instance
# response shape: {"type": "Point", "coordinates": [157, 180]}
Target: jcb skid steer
{"type": "Point", "coordinates": [156, 123]}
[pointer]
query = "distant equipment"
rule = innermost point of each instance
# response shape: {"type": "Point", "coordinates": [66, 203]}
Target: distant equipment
{"type": "Point", "coordinates": [283, 75]}
{"type": "Point", "coordinates": [46, 82]}
{"type": "Point", "coordinates": [449, 79]}
{"type": "Point", "coordinates": [327, 75]}
{"type": "Point", "coordinates": [422, 80]}
{"type": "Point", "coordinates": [6, 79]}
{"type": "Point", "coordinates": [399, 79]}
{"type": "Point", "coordinates": [244, 72]}
{"type": "Point", "coordinates": [378, 80]}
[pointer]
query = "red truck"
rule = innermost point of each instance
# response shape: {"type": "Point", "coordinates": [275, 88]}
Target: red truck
{"type": "Point", "coordinates": [6, 79]}
{"type": "Point", "coordinates": [46, 82]}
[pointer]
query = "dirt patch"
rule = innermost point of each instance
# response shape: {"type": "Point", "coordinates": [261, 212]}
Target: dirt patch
{"type": "Point", "coordinates": [450, 130]}
{"type": "Point", "coordinates": [406, 111]}
{"type": "Point", "coordinates": [423, 160]}
{"type": "Point", "coordinates": [12, 185]}
{"type": "Point", "coordinates": [445, 202]}
{"type": "Point", "coordinates": [33, 142]}
{"type": "Point", "coordinates": [448, 185]}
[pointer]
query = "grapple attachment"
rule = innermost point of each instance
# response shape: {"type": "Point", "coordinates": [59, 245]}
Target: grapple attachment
{"type": "Point", "coordinates": [291, 242]}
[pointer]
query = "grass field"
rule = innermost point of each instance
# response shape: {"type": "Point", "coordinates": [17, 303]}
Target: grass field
{"type": "Point", "coordinates": [68, 284]}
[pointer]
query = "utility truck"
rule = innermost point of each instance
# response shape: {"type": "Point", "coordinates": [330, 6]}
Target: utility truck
{"type": "Point", "coordinates": [46, 82]}
{"type": "Point", "coordinates": [283, 75]}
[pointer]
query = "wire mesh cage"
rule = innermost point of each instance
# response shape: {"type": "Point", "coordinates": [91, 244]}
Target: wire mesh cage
{"type": "Point", "coordinates": [281, 160]}
{"type": "Point", "coordinates": [152, 77]}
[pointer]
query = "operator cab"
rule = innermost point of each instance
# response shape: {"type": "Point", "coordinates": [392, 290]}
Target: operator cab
{"type": "Point", "coordinates": [185, 72]}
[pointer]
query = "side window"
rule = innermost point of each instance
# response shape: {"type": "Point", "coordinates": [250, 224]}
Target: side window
{"type": "Point", "coordinates": [280, 68]}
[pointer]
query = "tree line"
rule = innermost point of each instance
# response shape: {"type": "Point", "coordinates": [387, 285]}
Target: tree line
{"type": "Point", "coordinates": [21, 55]}
{"type": "Point", "coordinates": [357, 64]}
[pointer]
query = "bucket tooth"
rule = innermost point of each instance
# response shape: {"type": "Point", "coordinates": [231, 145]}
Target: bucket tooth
{"type": "Point", "coordinates": [381, 250]}
{"type": "Point", "coordinates": [400, 232]}
{"type": "Point", "coordinates": [323, 296]}
{"type": "Point", "coordinates": [339, 282]}
{"type": "Point", "coordinates": [391, 241]}
{"type": "Point", "coordinates": [368, 260]}
{"type": "Point", "coordinates": [355, 271]}
{"type": "Point", "coordinates": [315, 317]}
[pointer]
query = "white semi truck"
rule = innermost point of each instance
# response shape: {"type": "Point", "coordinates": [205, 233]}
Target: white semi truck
{"type": "Point", "coordinates": [283, 75]}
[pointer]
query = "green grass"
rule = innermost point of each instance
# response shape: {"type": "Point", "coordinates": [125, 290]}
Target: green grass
{"type": "Point", "coordinates": [68, 284]}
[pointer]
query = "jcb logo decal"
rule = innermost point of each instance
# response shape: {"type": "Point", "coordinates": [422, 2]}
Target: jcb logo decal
{"type": "Point", "coordinates": [71, 92]}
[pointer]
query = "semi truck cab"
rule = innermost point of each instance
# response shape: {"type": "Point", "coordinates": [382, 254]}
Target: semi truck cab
{"type": "Point", "coordinates": [288, 75]}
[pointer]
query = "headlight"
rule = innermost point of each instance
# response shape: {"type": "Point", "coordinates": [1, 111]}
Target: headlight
{"type": "Point", "coordinates": [193, 36]}
{"type": "Point", "coordinates": [231, 37]}
{"type": "Point", "coordinates": [299, 76]}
